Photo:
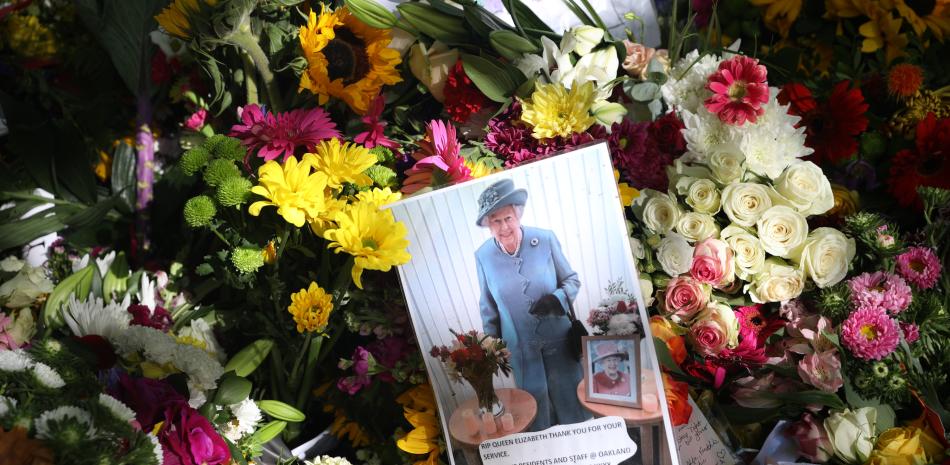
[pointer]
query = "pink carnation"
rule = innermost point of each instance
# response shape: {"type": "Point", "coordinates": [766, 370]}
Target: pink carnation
{"type": "Point", "coordinates": [279, 135]}
{"type": "Point", "coordinates": [920, 266]}
{"type": "Point", "coordinates": [880, 290]}
{"type": "Point", "coordinates": [739, 90]}
{"type": "Point", "coordinates": [911, 332]}
{"type": "Point", "coordinates": [870, 334]}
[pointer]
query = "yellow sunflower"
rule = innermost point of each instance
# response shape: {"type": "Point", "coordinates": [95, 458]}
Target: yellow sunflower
{"type": "Point", "coordinates": [883, 31]}
{"type": "Point", "coordinates": [346, 58]}
{"type": "Point", "coordinates": [178, 17]}
{"type": "Point", "coordinates": [342, 163]}
{"type": "Point", "coordinates": [780, 14]}
{"type": "Point", "coordinates": [372, 236]}
{"type": "Point", "coordinates": [923, 15]}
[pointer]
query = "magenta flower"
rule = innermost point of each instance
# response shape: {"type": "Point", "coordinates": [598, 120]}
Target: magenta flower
{"type": "Point", "coordinates": [7, 341]}
{"type": "Point", "coordinates": [188, 438]}
{"type": "Point", "coordinates": [911, 332]}
{"type": "Point", "coordinates": [276, 135]}
{"type": "Point", "coordinates": [880, 290]}
{"type": "Point", "coordinates": [637, 155]}
{"type": "Point", "coordinates": [511, 139]}
{"type": "Point", "coordinates": [197, 120]}
{"type": "Point", "coordinates": [739, 90]}
{"type": "Point", "coordinates": [374, 134]}
{"type": "Point", "coordinates": [920, 266]}
{"type": "Point", "coordinates": [870, 334]}
{"type": "Point", "coordinates": [362, 363]}
{"type": "Point", "coordinates": [438, 162]}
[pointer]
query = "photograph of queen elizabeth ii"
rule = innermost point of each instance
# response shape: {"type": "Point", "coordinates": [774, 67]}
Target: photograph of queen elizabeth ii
{"type": "Point", "coordinates": [515, 257]}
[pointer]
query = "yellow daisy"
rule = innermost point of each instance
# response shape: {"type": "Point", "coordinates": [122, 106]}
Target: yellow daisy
{"type": "Point", "coordinates": [780, 14]}
{"type": "Point", "coordinates": [178, 17]}
{"type": "Point", "coordinates": [883, 31]}
{"type": "Point", "coordinates": [342, 162]}
{"type": "Point", "coordinates": [297, 193]}
{"type": "Point", "coordinates": [346, 58]}
{"type": "Point", "coordinates": [372, 236]}
{"type": "Point", "coordinates": [325, 220]}
{"type": "Point", "coordinates": [311, 308]}
{"type": "Point", "coordinates": [555, 111]}
{"type": "Point", "coordinates": [478, 169]}
{"type": "Point", "coordinates": [379, 197]}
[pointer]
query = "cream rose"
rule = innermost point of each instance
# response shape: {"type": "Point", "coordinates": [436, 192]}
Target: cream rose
{"type": "Point", "coordinates": [659, 212]}
{"type": "Point", "coordinates": [805, 186]}
{"type": "Point", "coordinates": [749, 256]}
{"type": "Point", "coordinates": [697, 226]}
{"type": "Point", "coordinates": [852, 433]}
{"type": "Point", "coordinates": [703, 196]}
{"type": "Point", "coordinates": [674, 254]}
{"type": "Point", "coordinates": [782, 230]}
{"type": "Point", "coordinates": [826, 256]}
{"type": "Point", "coordinates": [727, 166]}
{"type": "Point", "coordinates": [715, 329]}
{"type": "Point", "coordinates": [775, 283]}
{"type": "Point", "coordinates": [745, 202]}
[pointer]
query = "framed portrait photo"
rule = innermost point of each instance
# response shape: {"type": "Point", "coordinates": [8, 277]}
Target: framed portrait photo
{"type": "Point", "coordinates": [612, 370]}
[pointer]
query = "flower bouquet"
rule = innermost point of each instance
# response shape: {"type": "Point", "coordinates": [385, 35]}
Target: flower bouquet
{"type": "Point", "coordinates": [618, 314]}
{"type": "Point", "coordinates": [477, 358]}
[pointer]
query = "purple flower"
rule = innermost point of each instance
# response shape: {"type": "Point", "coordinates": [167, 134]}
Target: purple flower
{"type": "Point", "coordinates": [637, 156]}
{"type": "Point", "coordinates": [280, 134]}
{"type": "Point", "coordinates": [147, 397]}
{"type": "Point", "coordinates": [362, 363]}
{"type": "Point", "coordinates": [880, 290]}
{"type": "Point", "coordinates": [197, 120]}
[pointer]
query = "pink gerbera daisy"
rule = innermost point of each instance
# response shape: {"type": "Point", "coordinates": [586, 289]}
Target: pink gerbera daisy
{"type": "Point", "coordinates": [920, 266]}
{"type": "Point", "coordinates": [438, 161]}
{"type": "Point", "coordinates": [870, 334]}
{"type": "Point", "coordinates": [374, 134]}
{"type": "Point", "coordinates": [911, 332]}
{"type": "Point", "coordinates": [280, 134]}
{"type": "Point", "coordinates": [739, 90]}
{"type": "Point", "coordinates": [880, 290]}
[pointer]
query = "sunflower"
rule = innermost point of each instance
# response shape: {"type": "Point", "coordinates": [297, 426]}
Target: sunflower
{"type": "Point", "coordinates": [926, 14]}
{"type": "Point", "coordinates": [178, 18]}
{"type": "Point", "coordinates": [372, 236]}
{"type": "Point", "coordinates": [346, 58]}
{"type": "Point", "coordinates": [780, 14]}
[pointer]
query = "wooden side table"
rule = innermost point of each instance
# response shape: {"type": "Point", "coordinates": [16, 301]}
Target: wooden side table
{"type": "Point", "coordinates": [519, 403]}
{"type": "Point", "coordinates": [635, 418]}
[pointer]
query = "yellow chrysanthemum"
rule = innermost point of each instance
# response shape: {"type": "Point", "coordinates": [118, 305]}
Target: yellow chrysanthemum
{"type": "Point", "coordinates": [342, 162]}
{"type": "Point", "coordinates": [379, 197]}
{"type": "Point", "coordinates": [27, 37]}
{"type": "Point", "coordinates": [103, 168]}
{"type": "Point", "coordinates": [326, 220]}
{"type": "Point", "coordinates": [627, 193]}
{"type": "Point", "coordinates": [372, 236]}
{"type": "Point", "coordinates": [554, 111]}
{"type": "Point", "coordinates": [311, 308]}
{"type": "Point", "coordinates": [419, 408]}
{"type": "Point", "coordinates": [883, 30]}
{"type": "Point", "coordinates": [780, 14]}
{"type": "Point", "coordinates": [177, 18]}
{"type": "Point", "coordinates": [346, 58]}
{"type": "Point", "coordinates": [478, 169]}
{"type": "Point", "coordinates": [297, 193]}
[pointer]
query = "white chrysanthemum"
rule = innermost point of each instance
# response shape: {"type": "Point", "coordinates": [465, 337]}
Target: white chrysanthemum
{"type": "Point", "coordinates": [46, 423]}
{"type": "Point", "coordinates": [327, 460]}
{"type": "Point", "coordinates": [246, 417]}
{"type": "Point", "coordinates": [705, 134]}
{"type": "Point", "coordinates": [95, 317]}
{"type": "Point", "coordinates": [14, 360]}
{"type": "Point", "coordinates": [200, 331]}
{"type": "Point", "coordinates": [157, 449]}
{"type": "Point", "coordinates": [623, 324]}
{"type": "Point", "coordinates": [6, 404]}
{"type": "Point", "coordinates": [119, 410]}
{"type": "Point", "coordinates": [686, 87]}
{"type": "Point", "coordinates": [47, 376]}
{"type": "Point", "coordinates": [773, 142]}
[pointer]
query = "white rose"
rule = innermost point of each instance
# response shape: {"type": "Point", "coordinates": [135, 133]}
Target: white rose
{"type": "Point", "coordinates": [745, 202]}
{"type": "Point", "coordinates": [682, 175]}
{"type": "Point", "coordinates": [826, 256]}
{"type": "Point", "coordinates": [782, 230]}
{"type": "Point", "coordinates": [727, 166]}
{"type": "Point", "coordinates": [776, 282]}
{"type": "Point", "coordinates": [674, 254]}
{"type": "Point", "coordinates": [695, 226]}
{"type": "Point", "coordinates": [806, 187]}
{"type": "Point", "coordinates": [749, 254]}
{"type": "Point", "coordinates": [659, 212]}
{"type": "Point", "coordinates": [703, 196]}
{"type": "Point", "coordinates": [636, 248]}
{"type": "Point", "coordinates": [852, 433]}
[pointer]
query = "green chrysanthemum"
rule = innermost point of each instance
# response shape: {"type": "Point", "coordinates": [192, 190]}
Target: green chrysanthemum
{"type": "Point", "coordinates": [194, 160]}
{"type": "Point", "coordinates": [199, 211]}
{"type": "Point", "coordinates": [382, 176]}
{"type": "Point", "coordinates": [383, 154]}
{"type": "Point", "coordinates": [247, 259]}
{"type": "Point", "coordinates": [224, 147]}
{"type": "Point", "coordinates": [219, 171]}
{"type": "Point", "coordinates": [234, 191]}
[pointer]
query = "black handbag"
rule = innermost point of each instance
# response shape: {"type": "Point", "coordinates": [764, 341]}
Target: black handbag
{"type": "Point", "coordinates": [575, 333]}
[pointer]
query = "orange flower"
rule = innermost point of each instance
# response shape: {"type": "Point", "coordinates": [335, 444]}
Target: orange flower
{"type": "Point", "coordinates": [904, 80]}
{"type": "Point", "coordinates": [677, 395]}
{"type": "Point", "coordinates": [17, 449]}
{"type": "Point", "coordinates": [666, 331]}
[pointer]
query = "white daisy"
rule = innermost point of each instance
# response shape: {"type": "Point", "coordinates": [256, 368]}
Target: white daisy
{"type": "Point", "coordinates": [46, 424]}
{"type": "Point", "coordinates": [47, 376]}
{"type": "Point", "coordinates": [119, 410]}
{"type": "Point", "coordinates": [14, 360]}
{"type": "Point", "coordinates": [95, 317]}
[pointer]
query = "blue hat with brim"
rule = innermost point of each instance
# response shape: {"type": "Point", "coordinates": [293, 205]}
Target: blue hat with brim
{"type": "Point", "coordinates": [498, 195]}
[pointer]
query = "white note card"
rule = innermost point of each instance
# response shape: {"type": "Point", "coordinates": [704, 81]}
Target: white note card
{"type": "Point", "coordinates": [698, 444]}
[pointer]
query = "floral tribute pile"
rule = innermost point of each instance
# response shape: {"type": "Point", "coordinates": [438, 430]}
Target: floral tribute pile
{"type": "Point", "coordinates": [197, 267]}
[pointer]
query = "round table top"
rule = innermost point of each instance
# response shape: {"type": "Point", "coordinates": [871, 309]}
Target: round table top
{"type": "Point", "coordinates": [520, 404]}
{"type": "Point", "coordinates": [632, 416]}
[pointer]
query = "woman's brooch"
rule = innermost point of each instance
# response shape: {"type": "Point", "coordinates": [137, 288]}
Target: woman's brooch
{"type": "Point", "coordinates": [534, 242]}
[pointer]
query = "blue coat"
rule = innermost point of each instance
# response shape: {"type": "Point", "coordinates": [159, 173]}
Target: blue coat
{"type": "Point", "coordinates": [540, 356]}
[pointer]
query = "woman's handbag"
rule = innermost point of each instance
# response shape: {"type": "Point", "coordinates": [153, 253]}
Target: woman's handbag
{"type": "Point", "coordinates": [575, 333]}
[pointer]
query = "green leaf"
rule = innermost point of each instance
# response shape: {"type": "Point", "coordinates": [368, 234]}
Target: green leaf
{"type": "Point", "coordinates": [267, 432]}
{"type": "Point", "coordinates": [78, 284]}
{"type": "Point", "coordinates": [116, 280]}
{"type": "Point", "coordinates": [434, 23]}
{"type": "Point", "coordinates": [250, 357]}
{"type": "Point", "coordinates": [371, 13]}
{"type": "Point", "coordinates": [91, 216]}
{"type": "Point", "coordinates": [804, 398]}
{"type": "Point", "coordinates": [23, 231]}
{"type": "Point", "coordinates": [483, 23]}
{"type": "Point", "coordinates": [123, 176]}
{"type": "Point", "coordinates": [656, 72]}
{"type": "Point", "coordinates": [511, 45]}
{"type": "Point", "coordinates": [281, 411]}
{"type": "Point", "coordinates": [740, 415]}
{"type": "Point", "coordinates": [490, 77]}
{"type": "Point", "coordinates": [232, 389]}
{"type": "Point", "coordinates": [643, 91]}
{"type": "Point", "coordinates": [525, 19]}
{"type": "Point", "coordinates": [886, 416]}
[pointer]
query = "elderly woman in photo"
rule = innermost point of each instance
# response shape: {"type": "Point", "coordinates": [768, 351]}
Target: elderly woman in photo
{"type": "Point", "coordinates": [527, 287]}
{"type": "Point", "coordinates": [612, 379]}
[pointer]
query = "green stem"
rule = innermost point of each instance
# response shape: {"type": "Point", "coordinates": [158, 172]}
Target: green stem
{"type": "Point", "coordinates": [284, 236]}
{"type": "Point", "coordinates": [295, 372]}
{"type": "Point", "coordinates": [247, 42]}
{"type": "Point", "coordinates": [217, 233]}
{"type": "Point", "coordinates": [303, 395]}
{"type": "Point", "coordinates": [249, 83]}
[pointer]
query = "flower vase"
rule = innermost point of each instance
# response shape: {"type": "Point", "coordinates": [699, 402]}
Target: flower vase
{"type": "Point", "coordinates": [487, 397]}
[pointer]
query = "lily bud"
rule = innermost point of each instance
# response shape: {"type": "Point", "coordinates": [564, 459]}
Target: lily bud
{"type": "Point", "coordinates": [586, 38]}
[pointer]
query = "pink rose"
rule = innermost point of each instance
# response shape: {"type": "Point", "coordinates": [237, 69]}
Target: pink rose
{"type": "Point", "coordinates": [197, 120]}
{"type": "Point", "coordinates": [188, 438]}
{"type": "Point", "coordinates": [812, 439]}
{"type": "Point", "coordinates": [684, 298]}
{"type": "Point", "coordinates": [712, 263]}
{"type": "Point", "coordinates": [714, 330]}
{"type": "Point", "coordinates": [638, 57]}
{"type": "Point", "coordinates": [822, 370]}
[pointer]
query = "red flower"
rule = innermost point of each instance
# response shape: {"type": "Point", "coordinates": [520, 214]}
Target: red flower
{"type": "Point", "coordinates": [677, 399]}
{"type": "Point", "coordinates": [832, 126]}
{"type": "Point", "coordinates": [739, 90]}
{"type": "Point", "coordinates": [667, 132]}
{"type": "Point", "coordinates": [928, 164]}
{"type": "Point", "coordinates": [462, 98]}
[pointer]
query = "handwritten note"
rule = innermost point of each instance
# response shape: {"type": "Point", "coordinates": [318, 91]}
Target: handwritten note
{"type": "Point", "coordinates": [606, 440]}
{"type": "Point", "coordinates": [698, 444]}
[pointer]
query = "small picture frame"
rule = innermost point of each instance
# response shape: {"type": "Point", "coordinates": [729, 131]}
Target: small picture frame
{"type": "Point", "coordinates": [612, 370]}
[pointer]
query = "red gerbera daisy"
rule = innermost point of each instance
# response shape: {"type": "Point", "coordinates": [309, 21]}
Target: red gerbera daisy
{"type": "Point", "coordinates": [739, 90]}
{"type": "Point", "coordinates": [462, 98]}
{"type": "Point", "coordinates": [831, 126]}
{"type": "Point", "coordinates": [927, 164]}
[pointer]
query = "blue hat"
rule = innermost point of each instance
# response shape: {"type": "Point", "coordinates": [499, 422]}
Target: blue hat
{"type": "Point", "coordinates": [498, 195]}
